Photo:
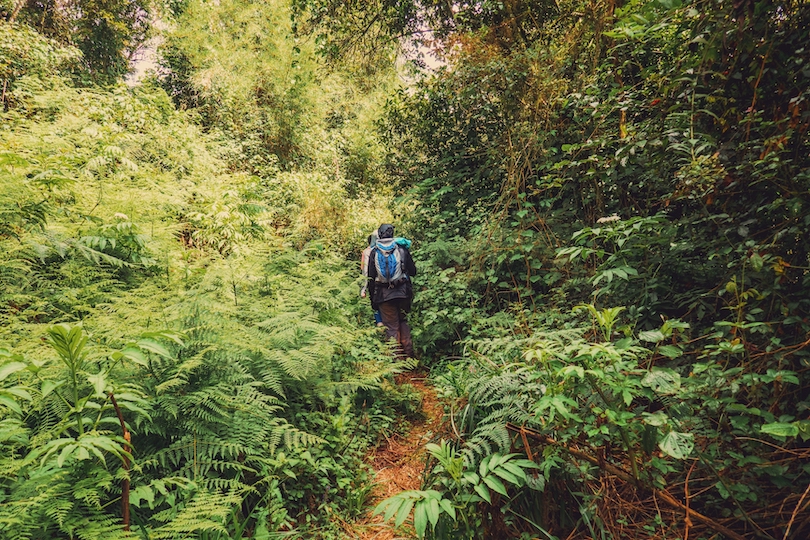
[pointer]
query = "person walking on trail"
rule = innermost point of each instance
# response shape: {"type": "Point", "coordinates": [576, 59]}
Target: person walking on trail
{"type": "Point", "coordinates": [372, 240]}
{"type": "Point", "coordinates": [390, 268]}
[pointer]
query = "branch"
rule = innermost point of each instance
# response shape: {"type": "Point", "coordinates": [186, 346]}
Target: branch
{"type": "Point", "coordinates": [627, 477]}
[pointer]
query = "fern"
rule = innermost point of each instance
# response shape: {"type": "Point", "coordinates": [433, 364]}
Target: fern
{"type": "Point", "coordinates": [204, 512]}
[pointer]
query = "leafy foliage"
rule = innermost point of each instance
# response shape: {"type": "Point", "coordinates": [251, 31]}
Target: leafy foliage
{"type": "Point", "coordinates": [107, 32]}
{"type": "Point", "coordinates": [193, 359]}
{"type": "Point", "coordinates": [646, 162]}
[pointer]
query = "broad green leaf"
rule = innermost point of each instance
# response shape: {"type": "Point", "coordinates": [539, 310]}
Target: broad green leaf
{"type": "Point", "coordinates": [10, 403]}
{"type": "Point", "coordinates": [17, 391]}
{"type": "Point", "coordinates": [393, 507]}
{"type": "Point", "coordinates": [155, 347]}
{"type": "Point", "coordinates": [145, 493]}
{"type": "Point", "coordinates": [515, 470]}
{"type": "Point", "coordinates": [507, 475]}
{"type": "Point", "coordinates": [568, 371]}
{"type": "Point", "coordinates": [420, 518]}
{"type": "Point", "coordinates": [434, 449]}
{"type": "Point", "coordinates": [67, 451]}
{"type": "Point", "coordinates": [97, 453]}
{"type": "Point", "coordinates": [133, 354]}
{"type": "Point", "coordinates": [670, 351]}
{"type": "Point", "coordinates": [483, 467]}
{"type": "Point", "coordinates": [50, 386]}
{"type": "Point", "coordinates": [433, 511]}
{"type": "Point", "coordinates": [657, 418]}
{"type": "Point", "coordinates": [482, 490]}
{"type": "Point", "coordinates": [9, 368]}
{"type": "Point", "coordinates": [662, 381]}
{"type": "Point", "coordinates": [495, 484]}
{"type": "Point", "coordinates": [471, 477]}
{"type": "Point", "coordinates": [627, 397]}
{"type": "Point", "coordinates": [82, 454]}
{"type": "Point", "coordinates": [403, 512]}
{"type": "Point", "coordinates": [525, 463]}
{"type": "Point", "coordinates": [653, 336]}
{"type": "Point", "coordinates": [380, 508]}
{"type": "Point", "coordinates": [780, 429]}
{"type": "Point", "coordinates": [99, 382]}
{"type": "Point", "coordinates": [804, 428]}
{"type": "Point", "coordinates": [495, 460]}
{"type": "Point", "coordinates": [676, 444]}
{"type": "Point", "coordinates": [448, 508]}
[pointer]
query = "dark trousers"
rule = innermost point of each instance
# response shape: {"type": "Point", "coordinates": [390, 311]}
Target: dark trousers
{"type": "Point", "coordinates": [396, 327]}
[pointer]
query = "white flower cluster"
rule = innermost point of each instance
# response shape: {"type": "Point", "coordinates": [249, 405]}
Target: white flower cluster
{"type": "Point", "coordinates": [608, 219]}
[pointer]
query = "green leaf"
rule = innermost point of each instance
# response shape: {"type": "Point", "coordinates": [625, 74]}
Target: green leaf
{"type": "Point", "coordinates": [483, 468]}
{"type": "Point", "coordinates": [627, 397]}
{"type": "Point", "coordinates": [17, 391]}
{"type": "Point", "coordinates": [780, 429]}
{"type": "Point", "coordinates": [144, 493]}
{"type": "Point", "coordinates": [10, 403]}
{"type": "Point", "coordinates": [11, 367]}
{"type": "Point", "coordinates": [482, 490]}
{"type": "Point", "coordinates": [448, 508]}
{"type": "Point", "coordinates": [380, 508]}
{"type": "Point", "coordinates": [403, 512]}
{"type": "Point", "coordinates": [804, 428]}
{"type": "Point", "coordinates": [496, 458]}
{"type": "Point", "coordinates": [507, 475]}
{"type": "Point", "coordinates": [657, 418]}
{"type": "Point", "coordinates": [653, 336]}
{"type": "Point", "coordinates": [155, 347]}
{"type": "Point", "coordinates": [66, 452]}
{"type": "Point", "coordinates": [133, 354]}
{"type": "Point", "coordinates": [676, 444]}
{"type": "Point", "coordinates": [670, 351]}
{"type": "Point", "coordinates": [515, 470]}
{"type": "Point", "coordinates": [420, 518]}
{"type": "Point", "coordinates": [525, 464]}
{"type": "Point", "coordinates": [50, 386]}
{"type": "Point", "coordinates": [662, 381]}
{"type": "Point", "coordinates": [568, 371]}
{"type": "Point", "coordinates": [471, 477]}
{"type": "Point", "coordinates": [433, 511]}
{"type": "Point", "coordinates": [99, 382]}
{"type": "Point", "coordinates": [495, 484]}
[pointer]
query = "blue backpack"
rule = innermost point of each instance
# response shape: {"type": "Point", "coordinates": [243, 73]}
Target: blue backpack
{"type": "Point", "coordinates": [388, 260]}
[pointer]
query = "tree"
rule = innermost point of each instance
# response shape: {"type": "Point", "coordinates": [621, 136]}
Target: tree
{"type": "Point", "coordinates": [107, 32]}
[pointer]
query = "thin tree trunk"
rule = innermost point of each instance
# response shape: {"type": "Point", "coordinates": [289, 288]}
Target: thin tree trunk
{"type": "Point", "coordinates": [18, 5]}
{"type": "Point", "coordinates": [125, 481]}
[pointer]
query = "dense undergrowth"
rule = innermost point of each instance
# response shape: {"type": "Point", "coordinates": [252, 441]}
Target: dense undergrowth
{"type": "Point", "coordinates": [610, 202]}
{"type": "Point", "coordinates": [608, 208]}
{"type": "Point", "coordinates": [181, 334]}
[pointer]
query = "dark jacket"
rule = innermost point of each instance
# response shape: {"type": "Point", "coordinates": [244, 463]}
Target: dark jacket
{"type": "Point", "coordinates": [385, 292]}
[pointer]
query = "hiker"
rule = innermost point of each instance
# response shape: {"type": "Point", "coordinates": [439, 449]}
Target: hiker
{"type": "Point", "coordinates": [372, 239]}
{"type": "Point", "coordinates": [390, 268]}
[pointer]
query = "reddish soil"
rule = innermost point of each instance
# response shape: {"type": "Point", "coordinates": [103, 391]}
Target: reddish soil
{"type": "Point", "coordinates": [400, 462]}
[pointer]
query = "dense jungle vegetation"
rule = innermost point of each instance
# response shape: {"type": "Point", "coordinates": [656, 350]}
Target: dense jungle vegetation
{"type": "Point", "coordinates": [609, 204]}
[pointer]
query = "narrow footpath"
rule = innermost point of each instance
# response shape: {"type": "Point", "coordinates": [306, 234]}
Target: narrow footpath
{"type": "Point", "coordinates": [399, 463]}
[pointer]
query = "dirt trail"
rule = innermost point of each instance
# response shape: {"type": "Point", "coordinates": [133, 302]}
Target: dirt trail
{"type": "Point", "coordinates": [400, 462]}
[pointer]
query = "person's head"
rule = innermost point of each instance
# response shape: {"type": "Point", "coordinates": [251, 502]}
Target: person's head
{"type": "Point", "coordinates": [385, 231]}
{"type": "Point", "coordinates": [372, 239]}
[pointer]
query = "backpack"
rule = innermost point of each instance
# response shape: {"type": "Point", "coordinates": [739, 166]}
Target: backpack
{"type": "Point", "coordinates": [388, 261]}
